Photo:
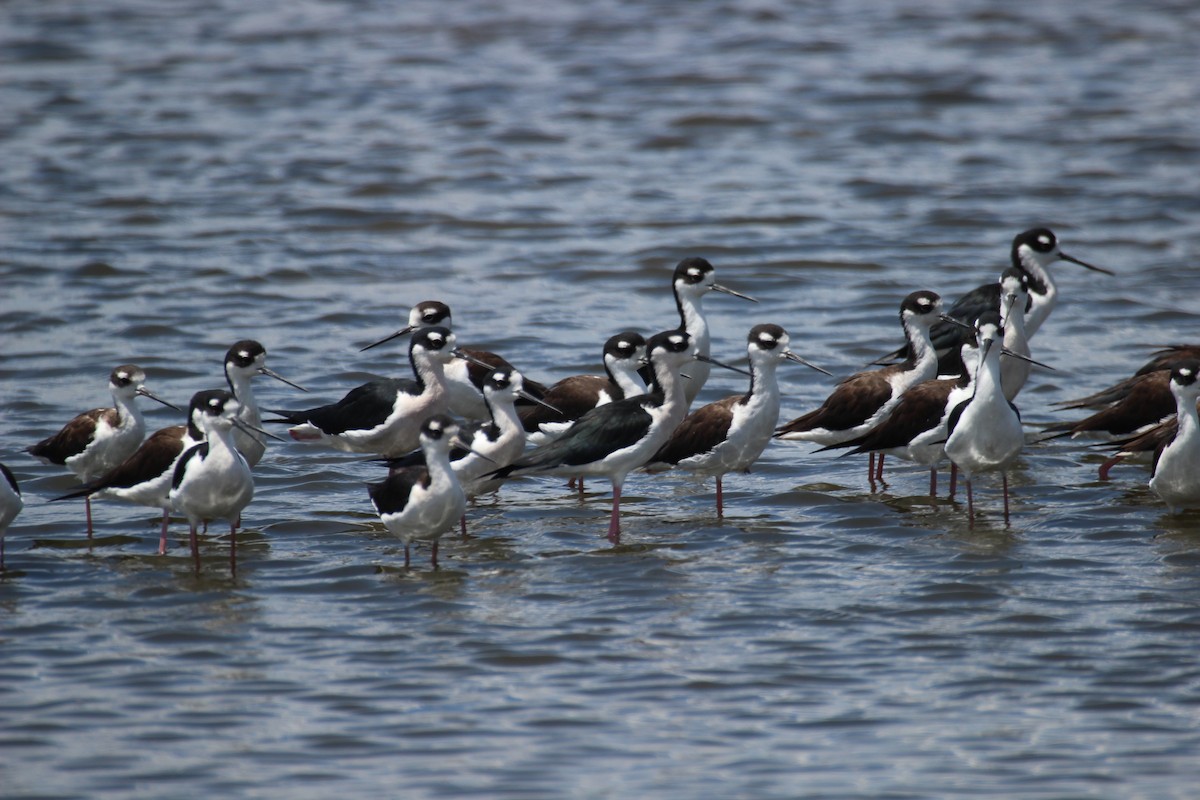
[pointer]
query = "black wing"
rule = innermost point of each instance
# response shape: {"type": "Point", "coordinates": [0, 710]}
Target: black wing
{"type": "Point", "coordinates": [196, 451]}
{"type": "Point", "coordinates": [390, 495]}
{"type": "Point", "coordinates": [363, 407]}
{"type": "Point", "coordinates": [593, 436]}
{"type": "Point", "coordinates": [12, 479]}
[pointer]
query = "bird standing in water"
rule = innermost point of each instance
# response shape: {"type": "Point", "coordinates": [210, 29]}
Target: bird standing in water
{"type": "Point", "coordinates": [730, 434]}
{"type": "Point", "coordinates": [95, 441]}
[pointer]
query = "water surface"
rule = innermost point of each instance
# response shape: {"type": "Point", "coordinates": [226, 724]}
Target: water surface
{"type": "Point", "coordinates": [177, 177]}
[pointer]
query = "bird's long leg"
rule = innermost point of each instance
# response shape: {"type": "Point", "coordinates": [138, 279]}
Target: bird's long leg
{"type": "Point", "coordinates": [614, 523]}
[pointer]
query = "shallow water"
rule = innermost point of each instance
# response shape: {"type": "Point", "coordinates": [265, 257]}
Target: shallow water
{"type": "Point", "coordinates": [178, 177]}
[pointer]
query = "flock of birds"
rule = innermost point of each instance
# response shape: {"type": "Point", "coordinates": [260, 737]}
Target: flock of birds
{"type": "Point", "coordinates": [462, 423]}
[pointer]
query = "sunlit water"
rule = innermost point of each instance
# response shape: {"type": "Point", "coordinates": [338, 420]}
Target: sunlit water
{"type": "Point", "coordinates": [179, 176]}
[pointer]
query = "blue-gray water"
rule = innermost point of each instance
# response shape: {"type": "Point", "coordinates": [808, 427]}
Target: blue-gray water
{"type": "Point", "coordinates": [176, 176]}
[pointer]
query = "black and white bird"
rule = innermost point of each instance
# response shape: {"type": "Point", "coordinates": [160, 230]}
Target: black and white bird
{"type": "Point", "coordinates": [212, 479]}
{"type": "Point", "coordinates": [865, 399]}
{"type": "Point", "coordinates": [1176, 478]}
{"type": "Point", "coordinates": [145, 477]}
{"type": "Point", "coordinates": [1147, 400]}
{"type": "Point", "coordinates": [1032, 253]}
{"type": "Point", "coordinates": [245, 360]}
{"type": "Point", "coordinates": [730, 434]}
{"type": "Point", "coordinates": [422, 502]}
{"type": "Point", "coordinates": [384, 416]}
{"type": "Point", "coordinates": [916, 429]}
{"type": "Point", "coordinates": [695, 277]}
{"type": "Point", "coordinates": [95, 441]}
{"type": "Point", "coordinates": [984, 431]}
{"type": "Point", "coordinates": [464, 377]}
{"type": "Point", "coordinates": [573, 397]}
{"type": "Point", "coordinates": [614, 439]}
{"type": "Point", "coordinates": [10, 505]}
{"type": "Point", "coordinates": [1014, 298]}
{"type": "Point", "coordinates": [489, 445]}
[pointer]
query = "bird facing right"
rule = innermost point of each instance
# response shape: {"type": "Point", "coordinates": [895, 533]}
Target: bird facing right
{"type": "Point", "coordinates": [730, 434]}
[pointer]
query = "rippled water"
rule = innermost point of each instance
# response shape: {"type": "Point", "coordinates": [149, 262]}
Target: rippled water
{"type": "Point", "coordinates": [176, 176]}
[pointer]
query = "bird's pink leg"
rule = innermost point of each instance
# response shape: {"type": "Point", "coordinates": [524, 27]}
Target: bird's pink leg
{"type": "Point", "coordinates": [933, 481]}
{"type": "Point", "coordinates": [1107, 465]}
{"type": "Point", "coordinates": [87, 504]}
{"type": "Point", "coordinates": [720, 500]}
{"type": "Point", "coordinates": [232, 548]}
{"type": "Point", "coordinates": [614, 523]}
{"type": "Point", "coordinates": [162, 535]}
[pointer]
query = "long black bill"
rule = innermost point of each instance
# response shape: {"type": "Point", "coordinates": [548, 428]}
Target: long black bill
{"type": "Point", "coordinates": [716, 287]}
{"type": "Point", "coordinates": [722, 364]}
{"type": "Point", "coordinates": [790, 356]}
{"type": "Point", "coordinates": [144, 392]}
{"type": "Point", "coordinates": [273, 374]}
{"type": "Point", "coordinates": [1084, 264]}
{"type": "Point", "coordinates": [252, 429]}
{"type": "Point", "coordinates": [402, 332]}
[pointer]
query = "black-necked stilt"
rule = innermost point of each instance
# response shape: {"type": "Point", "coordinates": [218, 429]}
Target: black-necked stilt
{"type": "Point", "coordinates": [212, 480]}
{"type": "Point", "coordinates": [1032, 253]}
{"type": "Point", "coordinates": [1165, 358]}
{"type": "Point", "coordinates": [420, 503]}
{"type": "Point", "coordinates": [382, 417]}
{"type": "Point", "coordinates": [865, 399]}
{"type": "Point", "coordinates": [145, 477]}
{"type": "Point", "coordinates": [10, 505]}
{"type": "Point", "coordinates": [575, 396]}
{"type": "Point", "coordinates": [1014, 298]}
{"type": "Point", "coordinates": [489, 445]}
{"type": "Point", "coordinates": [917, 427]}
{"type": "Point", "coordinates": [1148, 400]}
{"type": "Point", "coordinates": [730, 434]}
{"type": "Point", "coordinates": [464, 377]}
{"type": "Point", "coordinates": [243, 361]}
{"type": "Point", "coordinates": [617, 438]}
{"type": "Point", "coordinates": [694, 277]}
{"type": "Point", "coordinates": [96, 441]}
{"type": "Point", "coordinates": [984, 431]}
{"type": "Point", "coordinates": [1176, 478]}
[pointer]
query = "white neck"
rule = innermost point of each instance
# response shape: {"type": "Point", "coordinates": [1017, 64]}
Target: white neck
{"type": "Point", "coordinates": [128, 412]}
{"type": "Point", "coordinates": [242, 389]}
{"type": "Point", "coordinates": [924, 356]}
{"type": "Point", "coordinates": [691, 315]}
{"type": "Point", "coordinates": [504, 415]}
{"type": "Point", "coordinates": [626, 378]}
{"type": "Point", "coordinates": [432, 374]}
{"type": "Point", "coordinates": [1043, 291]}
{"type": "Point", "coordinates": [1189, 421]}
{"type": "Point", "coordinates": [987, 377]}
{"type": "Point", "coordinates": [437, 461]}
{"type": "Point", "coordinates": [675, 401]}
